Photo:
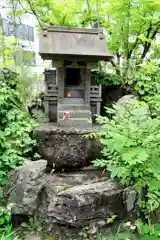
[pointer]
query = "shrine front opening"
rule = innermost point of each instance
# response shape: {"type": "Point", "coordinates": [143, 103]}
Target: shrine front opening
{"type": "Point", "coordinates": [73, 84]}
{"type": "Point", "coordinates": [73, 77]}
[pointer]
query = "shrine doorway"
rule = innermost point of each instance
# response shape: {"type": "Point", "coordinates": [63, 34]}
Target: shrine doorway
{"type": "Point", "coordinates": [73, 86]}
{"type": "Point", "coordinates": [73, 77]}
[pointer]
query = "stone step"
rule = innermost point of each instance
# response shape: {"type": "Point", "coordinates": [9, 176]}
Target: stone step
{"type": "Point", "coordinates": [72, 101]}
{"type": "Point", "coordinates": [70, 107]}
{"type": "Point", "coordinates": [75, 122]}
{"type": "Point", "coordinates": [76, 114]}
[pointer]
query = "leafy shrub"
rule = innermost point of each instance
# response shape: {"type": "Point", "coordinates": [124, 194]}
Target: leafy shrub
{"type": "Point", "coordinates": [8, 78]}
{"type": "Point", "coordinates": [5, 223]}
{"type": "Point", "coordinates": [131, 152]}
{"type": "Point", "coordinates": [28, 85]}
{"type": "Point", "coordinates": [107, 79]}
{"type": "Point", "coordinates": [147, 79]}
{"type": "Point", "coordinates": [15, 139]}
{"type": "Point", "coordinates": [15, 129]}
{"type": "Point", "coordinates": [154, 104]}
{"type": "Point", "coordinates": [140, 230]}
{"type": "Point", "coordinates": [148, 231]}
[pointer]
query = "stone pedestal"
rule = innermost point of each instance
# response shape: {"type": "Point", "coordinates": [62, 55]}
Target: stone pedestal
{"type": "Point", "coordinates": [67, 203]}
{"type": "Point", "coordinates": [67, 147]}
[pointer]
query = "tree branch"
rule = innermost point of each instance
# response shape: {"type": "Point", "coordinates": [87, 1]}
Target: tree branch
{"type": "Point", "coordinates": [118, 57]}
{"type": "Point", "coordinates": [25, 10]}
{"type": "Point", "coordinates": [34, 13]}
{"type": "Point", "coordinates": [115, 67]}
{"type": "Point", "coordinates": [147, 44]}
{"type": "Point", "coordinates": [135, 43]}
{"type": "Point", "coordinates": [89, 11]}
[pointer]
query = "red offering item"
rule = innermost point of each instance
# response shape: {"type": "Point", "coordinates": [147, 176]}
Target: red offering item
{"type": "Point", "coordinates": [66, 115]}
{"type": "Point", "coordinates": [69, 94]}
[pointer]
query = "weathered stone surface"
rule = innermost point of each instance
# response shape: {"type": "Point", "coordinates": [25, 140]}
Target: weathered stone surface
{"type": "Point", "coordinates": [37, 113]}
{"type": "Point", "coordinates": [143, 109]}
{"type": "Point", "coordinates": [25, 183]}
{"type": "Point", "coordinates": [69, 199]}
{"type": "Point", "coordinates": [130, 198]}
{"type": "Point", "coordinates": [33, 237]}
{"type": "Point", "coordinates": [126, 99]}
{"type": "Point", "coordinates": [110, 95]}
{"type": "Point", "coordinates": [66, 147]}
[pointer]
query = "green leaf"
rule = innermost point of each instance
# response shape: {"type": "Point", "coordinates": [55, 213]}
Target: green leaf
{"type": "Point", "coordinates": [135, 155]}
{"type": "Point", "coordinates": [122, 236]}
{"type": "Point", "coordinates": [1, 221]}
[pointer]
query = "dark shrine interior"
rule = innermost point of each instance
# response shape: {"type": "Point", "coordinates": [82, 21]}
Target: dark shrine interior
{"type": "Point", "coordinates": [73, 77]}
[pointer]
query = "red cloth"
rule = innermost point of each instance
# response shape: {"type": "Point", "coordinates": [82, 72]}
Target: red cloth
{"type": "Point", "coordinates": [66, 115]}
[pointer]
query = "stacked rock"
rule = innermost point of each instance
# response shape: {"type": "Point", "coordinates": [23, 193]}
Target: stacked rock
{"type": "Point", "coordinates": [79, 197]}
{"type": "Point", "coordinates": [66, 148]}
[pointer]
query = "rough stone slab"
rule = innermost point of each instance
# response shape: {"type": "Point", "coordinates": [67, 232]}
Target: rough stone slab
{"type": "Point", "coordinates": [96, 200]}
{"type": "Point", "coordinates": [53, 128]}
{"type": "Point", "coordinates": [66, 147]}
{"type": "Point", "coordinates": [24, 185]}
{"type": "Point", "coordinates": [66, 199]}
{"type": "Point", "coordinates": [126, 99]}
{"type": "Point", "coordinates": [33, 237]}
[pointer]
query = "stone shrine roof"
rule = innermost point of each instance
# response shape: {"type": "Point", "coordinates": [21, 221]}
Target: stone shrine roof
{"type": "Point", "coordinates": [66, 41]}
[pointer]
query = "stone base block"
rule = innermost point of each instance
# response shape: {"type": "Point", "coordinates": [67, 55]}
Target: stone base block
{"type": "Point", "coordinates": [66, 147]}
{"type": "Point", "coordinates": [70, 200]}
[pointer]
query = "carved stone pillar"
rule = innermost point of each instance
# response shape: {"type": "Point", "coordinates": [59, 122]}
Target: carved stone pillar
{"type": "Point", "coordinates": [87, 86]}
{"type": "Point", "coordinates": [46, 109]}
{"type": "Point", "coordinates": [60, 81]}
{"type": "Point", "coordinates": [83, 76]}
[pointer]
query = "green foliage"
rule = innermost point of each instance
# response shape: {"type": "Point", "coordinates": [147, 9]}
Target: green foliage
{"type": "Point", "coordinates": [38, 100]}
{"type": "Point", "coordinates": [8, 78]}
{"type": "Point", "coordinates": [148, 231]}
{"type": "Point", "coordinates": [107, 79]}
{"type": "Point", "coordinates": [5, 223]}
{"type": "Point", "coordinates": [126, 235]}
{"type": "Point", "coordinates": [154, 104]}
{"type": "Point", "coordinates": [147, 79]}
{"type": "Point", "coordinates": [131, 151]}
{"type": "Point", "coordinates": [130, 36]}
{"type": "Point", "coordinates": [27, 85]}
{"type": "Point", "coordinates": [8, 47]}
{"type": "Point", "coordinates": [15, 129]}
{"type": "Point", "coordinates": [33, 225]}
{"type": "Point", "coordinates": [100, 237]}
{"type": "Point", "coordinates": [142, 231]}
{"type": "Point", "coordinates": [15, 139]}
{"type": "Point", "coordinates": [111, 219]}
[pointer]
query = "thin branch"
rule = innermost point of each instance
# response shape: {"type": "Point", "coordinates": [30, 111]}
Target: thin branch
{"type": "Point", "coordinates": [149, 30]}
{"type": "Point", "coordinates": [127, 26]}
{"type": "Point", "coordinates": [63, 20]}
{"type": "Point", "coordinates": [24, 9]}
{"type": "Point", "coordinates": [89, 11]}
{"type": "Point", "coordinates": [115, 67]}
{"type": "Point", "coordinates": [147, 45]}
{"type": "Point", "coordinates": [118, 55]}
{"type": "Point", "coordinates": [34, 13]}
{"type": "Point", "coordinates": [136, 42]}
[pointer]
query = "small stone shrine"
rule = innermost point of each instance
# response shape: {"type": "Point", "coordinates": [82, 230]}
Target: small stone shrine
{"type": "Point", "coordinates": [72, 96]}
